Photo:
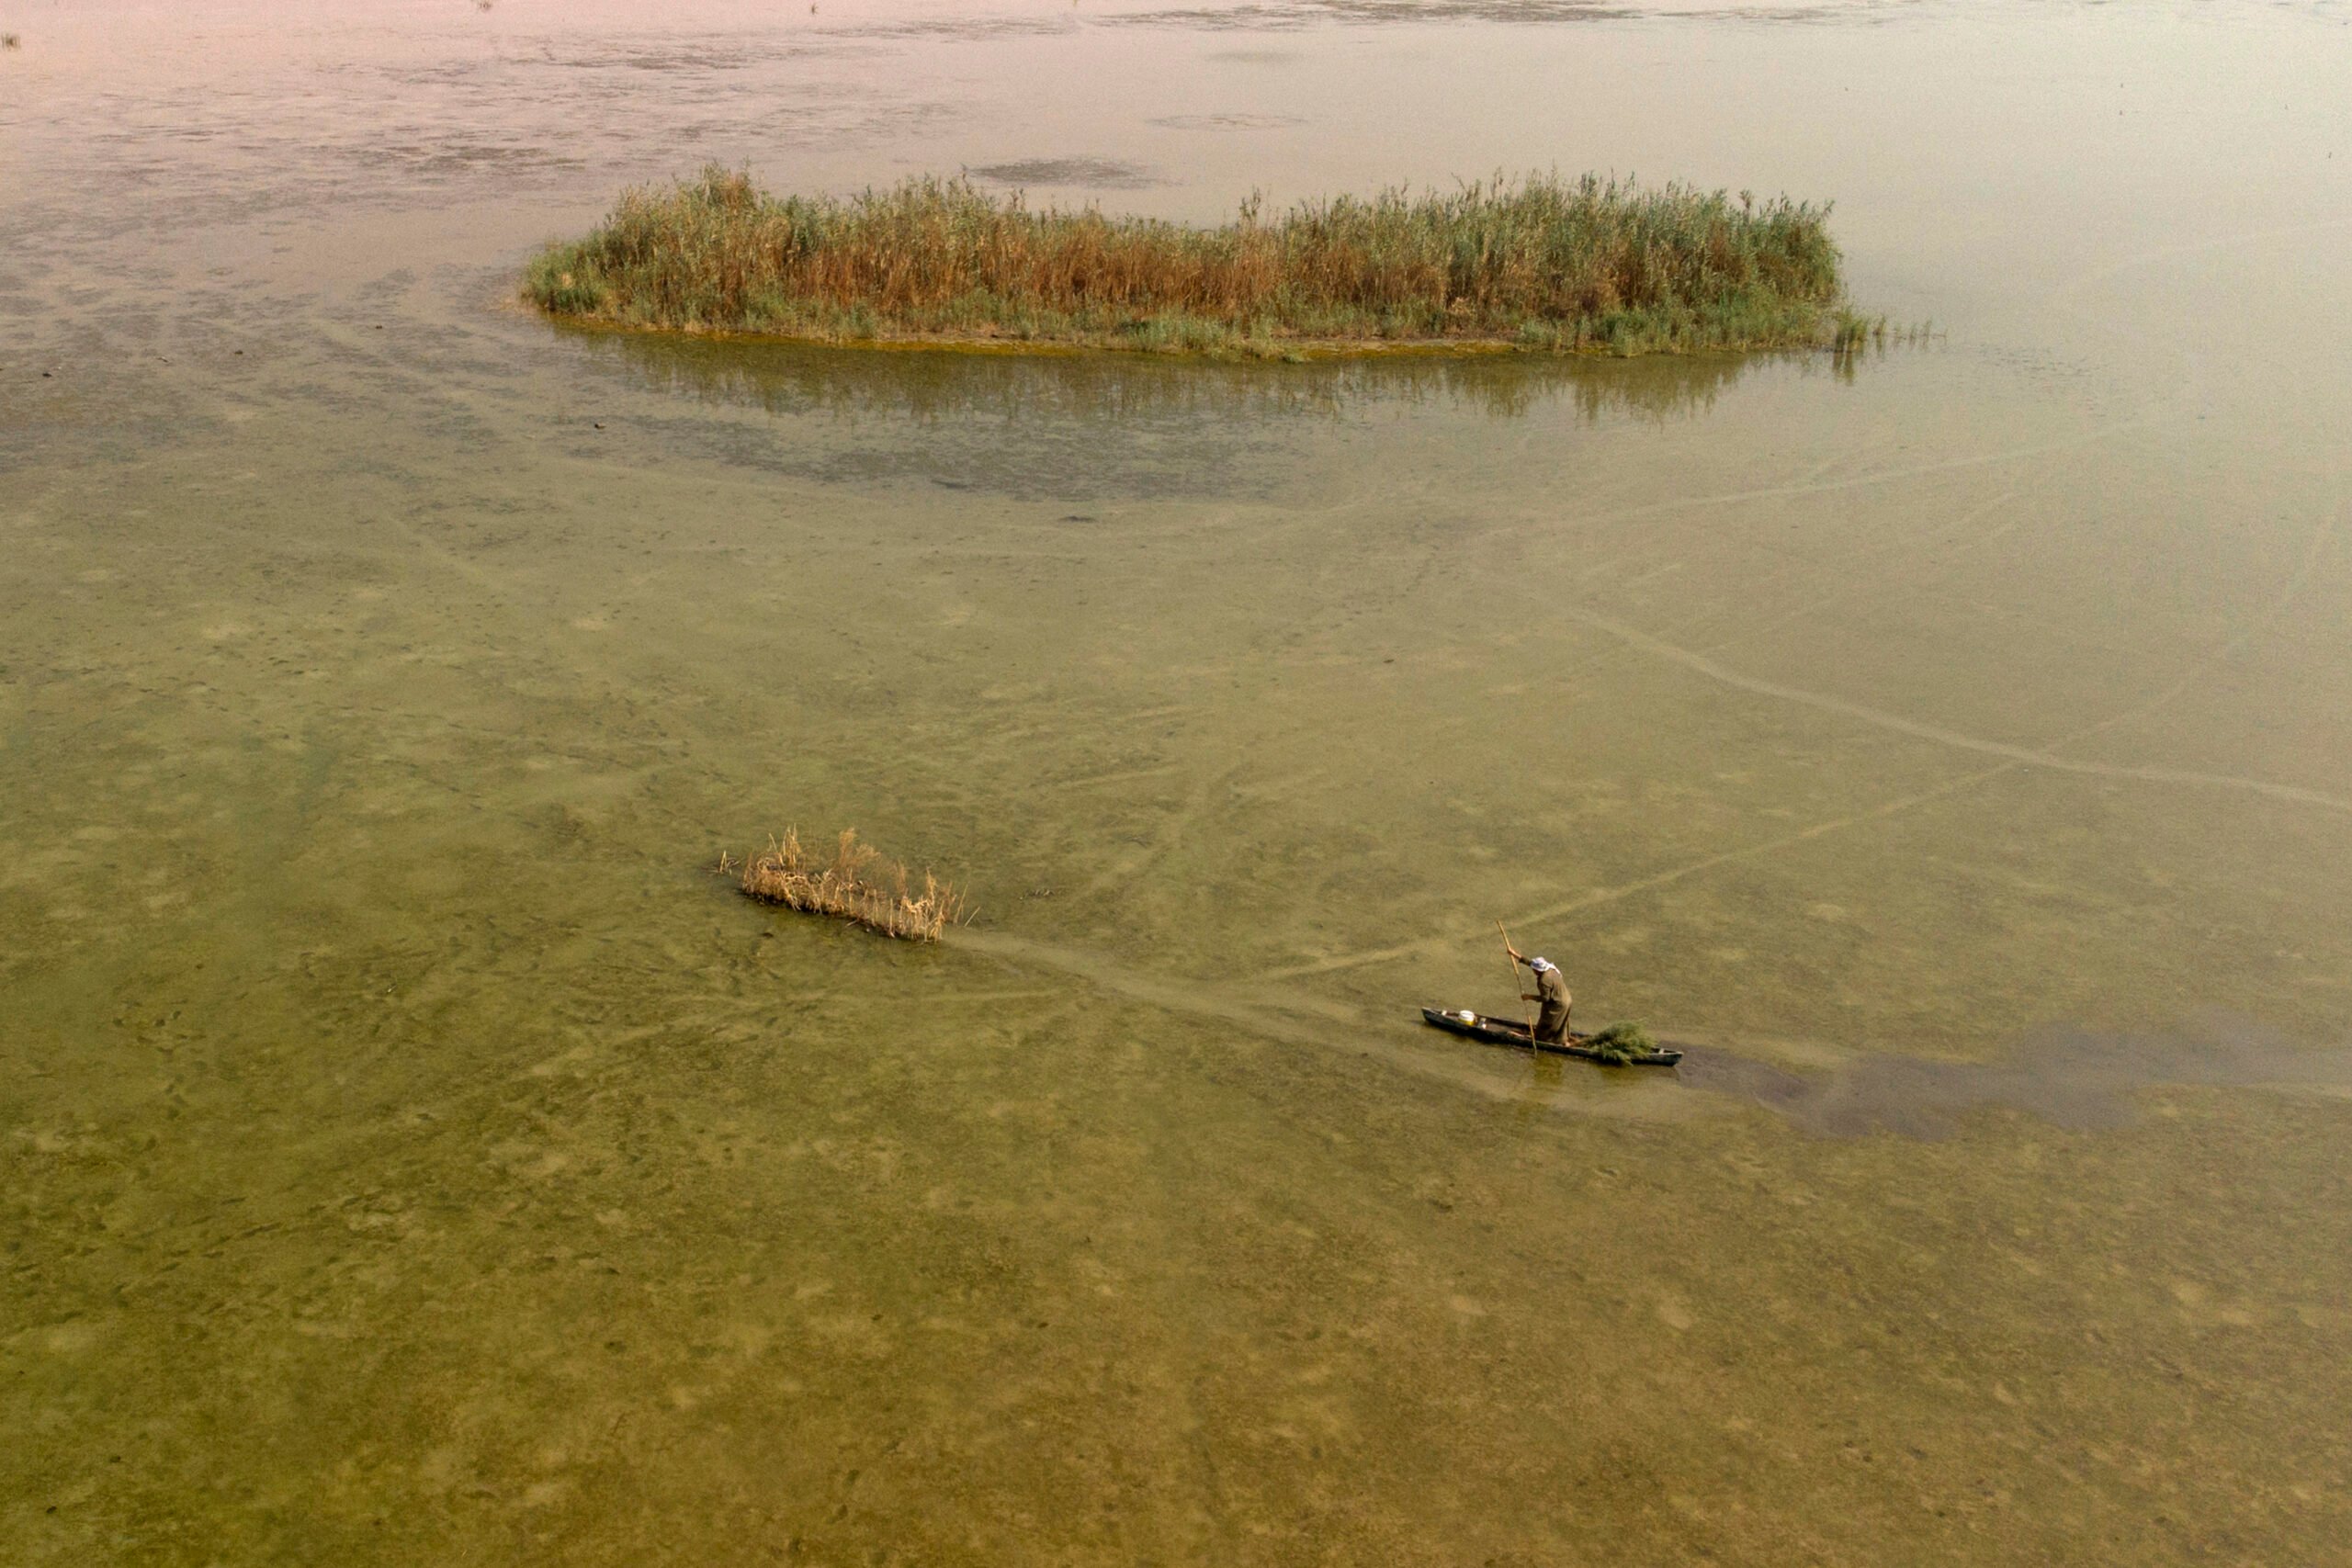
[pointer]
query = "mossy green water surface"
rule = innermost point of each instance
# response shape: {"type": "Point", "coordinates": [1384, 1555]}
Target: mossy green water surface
{"type": "Point", "coordinates": [411, 1153]}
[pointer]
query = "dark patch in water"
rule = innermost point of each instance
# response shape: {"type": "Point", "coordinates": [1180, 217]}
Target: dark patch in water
{"type": "Point", "coordinates": [1286, 15]}
{"type": "Point", "coordinates": [629, 58]}
{"type": "Point", "coordinates": [1105, 173]}
{"type": "Point", "coordinates": [1227, 121]}
{"type": "Point", "coordinates": [458, 155]}
{"type": "Point", "coordinates": [2070, 1077]}
{"type": "Point", "coordinates": [1270, 15]}
{"type": "Point", "coordinates": [971, 29]}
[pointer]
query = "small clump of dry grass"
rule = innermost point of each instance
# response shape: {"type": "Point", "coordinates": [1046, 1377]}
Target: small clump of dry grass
{"type": "Point", "coordinates": [858, 884]}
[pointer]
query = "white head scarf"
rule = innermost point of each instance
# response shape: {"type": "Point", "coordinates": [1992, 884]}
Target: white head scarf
{"type": "Point", "coordinates": [1540, 964]}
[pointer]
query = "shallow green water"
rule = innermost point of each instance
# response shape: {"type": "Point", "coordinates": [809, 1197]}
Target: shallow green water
{"type": "Point", "coordinates": [410, 1152]}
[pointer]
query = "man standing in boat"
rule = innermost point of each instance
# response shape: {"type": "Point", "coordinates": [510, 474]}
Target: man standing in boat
{"type": "Point", "coordinates": [1551, 992]}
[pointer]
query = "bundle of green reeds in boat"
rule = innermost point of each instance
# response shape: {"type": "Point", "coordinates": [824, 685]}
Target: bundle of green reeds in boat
{"type": "Point", "coordinates": [1621, 1042]}
{"type": "Point", "coordinates": [857, 885]}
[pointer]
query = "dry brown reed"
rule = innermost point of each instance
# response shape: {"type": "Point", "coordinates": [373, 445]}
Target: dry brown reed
{"type": "Point", "coordinates": [1591, 265]}
{"type": "Point", "coordinates": [858, 885]}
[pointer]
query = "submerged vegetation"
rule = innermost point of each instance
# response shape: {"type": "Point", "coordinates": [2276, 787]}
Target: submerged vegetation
{"type": "Point", "coordinates": [857, 885]}
{"type": "Point", "coordinates": [1543, 262]}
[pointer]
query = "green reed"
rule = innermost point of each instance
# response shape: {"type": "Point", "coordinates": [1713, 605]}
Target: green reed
{"type": "Point", "coordinates": [1621, 1042]}
{"type": "Point", "coordinates": [1589, 265]}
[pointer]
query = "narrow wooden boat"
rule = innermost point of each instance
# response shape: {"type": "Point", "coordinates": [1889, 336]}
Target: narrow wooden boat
{"type": "Point", "coordinates": [1503, 1031]}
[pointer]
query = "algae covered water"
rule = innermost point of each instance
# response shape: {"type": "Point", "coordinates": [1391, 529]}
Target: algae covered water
{"type": "Point", "coordinates": [410, 1152]}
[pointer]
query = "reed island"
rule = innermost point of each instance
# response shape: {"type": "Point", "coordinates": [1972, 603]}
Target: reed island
{"type": "Point", "coordinates": [1541, 264]}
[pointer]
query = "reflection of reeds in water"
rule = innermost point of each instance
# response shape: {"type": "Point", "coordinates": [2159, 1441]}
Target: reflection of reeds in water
{"type": "Point", "coordinates": [799, 378]}
{"type": "Point", "coordinates": [857, 885]}
{"type": "Point", "coordinates": [1850, 331]}
{"type": "Point", "coordinates": [1543, 263]}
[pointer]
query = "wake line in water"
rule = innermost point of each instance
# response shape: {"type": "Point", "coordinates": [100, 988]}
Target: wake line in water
{"type": "Point", "coordinates": [2237, 641]}
{"type": "Point", "coordinates": [2070, 1077]}
{"type": "Point", "coordinates": [1593, 898]}
{"type": "Point", "coordinates": [1280, 1019]}
{"type": "Point", "coordinates": [1874, 476]}
{"type": "Point", "coordinates": [2015, 757]}
{"type": "Point", "coordinates": [2027, 756]}
{"type": "Point", "coordinates": [1754, 629]}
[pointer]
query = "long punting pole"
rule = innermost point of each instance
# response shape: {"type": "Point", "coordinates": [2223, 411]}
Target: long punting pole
{"type": "Point", "coordinates": [1531, 1046]}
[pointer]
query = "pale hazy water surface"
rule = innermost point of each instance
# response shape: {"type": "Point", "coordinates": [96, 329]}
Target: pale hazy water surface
{"type": "Point", "coordinates": [409, 1153]}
